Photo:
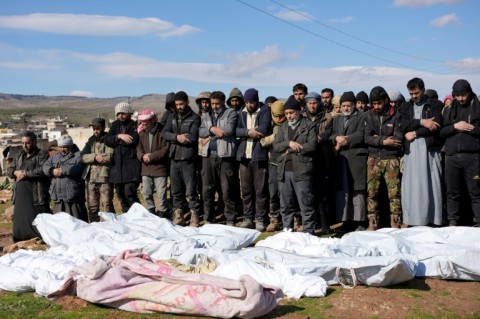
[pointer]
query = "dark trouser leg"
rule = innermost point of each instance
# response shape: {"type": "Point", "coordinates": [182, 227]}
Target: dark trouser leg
{"type": "Point", "coordinates": [208, 192]}
{"type": "Point", "coordinates": [226, 180]}
{"type": "Point", "coordinates": [189, 176]}
{"type": "Point", "coordinates": [177, 186]}
{"type": "Point", "coordinates": [287, 201]}
{"type": "Point", "coordinates": [131, 193]}
{"type": "Point", "coordinates": [306, 201]}
{"type": "Point", "coordinates": [453, 180]}
{"type": "Point", "coordinates": [260, 180]}
{"type": "Point", "coordinates": [273, 190]}
{"type": "Point", "coordinates": [120, 190]}
{"type": "Point", "coordinates": [247, 189]}
{"type": "Point", "coordinates": [472, 178]}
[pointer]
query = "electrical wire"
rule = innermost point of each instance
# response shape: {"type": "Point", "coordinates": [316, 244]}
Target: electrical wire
{"type": "Point", "coordinates": [333, 41]}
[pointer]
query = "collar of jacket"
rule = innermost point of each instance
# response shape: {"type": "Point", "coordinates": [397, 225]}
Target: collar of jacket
{"type": "Point", "coordinates": [187, 114]}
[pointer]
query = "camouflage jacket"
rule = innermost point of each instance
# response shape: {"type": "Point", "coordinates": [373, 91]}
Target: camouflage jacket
{"type": "Point", "coordinates": [94, 171]}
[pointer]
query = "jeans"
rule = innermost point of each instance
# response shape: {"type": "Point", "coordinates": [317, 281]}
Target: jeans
{"type": "Point", "coordinates": [291, 192]}
{"type": "Point", "coordinates": [274, 192]}
{"type": "Point", "coordinates": [183, 185]}
{"type": "Point", "coordinates": [218, 171]}
{"type": "Point", "coordinates": [150, 184]}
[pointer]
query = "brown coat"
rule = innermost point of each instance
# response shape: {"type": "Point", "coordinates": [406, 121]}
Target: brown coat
{"type": "Point", "coordinates": [160, 161]}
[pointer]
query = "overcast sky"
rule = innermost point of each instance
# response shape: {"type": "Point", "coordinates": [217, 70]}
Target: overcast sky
{"type": "Point", "coordinates": [114, 48]}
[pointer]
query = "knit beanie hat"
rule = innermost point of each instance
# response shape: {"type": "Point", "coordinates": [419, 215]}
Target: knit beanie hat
{"type": "Point", "coordinates": [235, 92]}
{"type": "Point", "coordinates": [65, 140]}
{"type": "Point", "coordinates": [447, 97]}
{"type": "Point", "coordinates": [270, 99]}
{"type": "Point", "coordinates": [181, 96]}
{"type": "Point", "coordinates": [278, 107]}
{"type": "Point", "coordinates": [146, 115]}
{"type": "Point", "coordinates": [251, 95]}
{"type": "Point", "coordinates": [203, 96]}
{"type": "Point", "coordinates": [461, 87]}
{"type": "Point", "coordinates": [395, 95]}
{"type": "Point", "coordinates": [313, 96]}
{"type": "Point", "coordinates": [123, 107]}
{"type": "Point", "coordinates": [362, 96]}
{"type": "Point", "coordinates": [348, 96]}
{"type": "Point", "coordinates": [336, 100]}
{"type": "Point", "coordinates": [292, 104]}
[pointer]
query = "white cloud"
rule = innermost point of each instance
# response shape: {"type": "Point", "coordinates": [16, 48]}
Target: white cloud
{"type": "Point", "coordinates": [293, 15]}
{"type": "Point", "coordinates": [95, 25]}
{"type": "Point", "coordinates": [341, 20]}
{"type": "Point", "coordinates": [81, 93]}
{"type": "Point", "coordinates": [26, 65]}
{"type": "Point", "coordinates": [466, 65]}
{"type": "Point", "coordinates": [265, 70]}
{"type": "Point", "coordinates": [445, 20]}
{"type": "Point", "coordinates": [424, 3]}
{"type": "Point", "coordinates": [248, 63]}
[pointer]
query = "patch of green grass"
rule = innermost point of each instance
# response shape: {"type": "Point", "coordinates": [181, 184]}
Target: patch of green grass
{"type": "Point", "coordinates": [444, 293]}
{"type": "Point", "coordinates": [308, 307]}
{"type": "Point", "coordinates": [414, 294]}
{"type": "Point", "coordinates": [26, 306]}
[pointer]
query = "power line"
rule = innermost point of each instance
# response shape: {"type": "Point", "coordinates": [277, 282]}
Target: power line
{"type": "Point", "coordinates": [352, 36]}
{"type": "Point", "coordinates": [330, 40]}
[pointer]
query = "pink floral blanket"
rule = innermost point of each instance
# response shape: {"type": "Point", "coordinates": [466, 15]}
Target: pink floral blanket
{"type": "Point", "coordinates": [133, 282]}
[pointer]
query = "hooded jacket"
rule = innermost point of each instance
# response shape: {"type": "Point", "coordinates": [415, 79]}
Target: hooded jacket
{"type": "Point", "coordinates": [457, 142]}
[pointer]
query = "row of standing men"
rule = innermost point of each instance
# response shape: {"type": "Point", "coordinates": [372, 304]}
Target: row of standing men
{"type": "Point", "coordinates": [296, 163]}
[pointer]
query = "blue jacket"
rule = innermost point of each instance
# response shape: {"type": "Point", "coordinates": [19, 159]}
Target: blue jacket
{"type": "Point", "coordinates": [262, 124]}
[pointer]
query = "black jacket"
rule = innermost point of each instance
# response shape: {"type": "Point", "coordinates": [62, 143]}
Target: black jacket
{"type": "Point", "coordinates": [125, 166]}
{"type": "Point", "coordinates": [33, 167]}
{"type": "Point", "coordinates": [461, 142]}
{"type": "Point", "coordinates": [431, 109]}
{"type": "Point", "coordinates": [380, 127]}
{"type": "Point", "coordinates": [188, 124]}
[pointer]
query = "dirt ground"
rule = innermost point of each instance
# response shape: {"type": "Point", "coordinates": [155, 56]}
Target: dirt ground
{"type": "Point", "coordinates": [416, 298]}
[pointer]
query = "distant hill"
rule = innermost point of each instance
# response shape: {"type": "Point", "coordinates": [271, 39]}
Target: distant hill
{"type": "Point", "coordinates": [80, 110]}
